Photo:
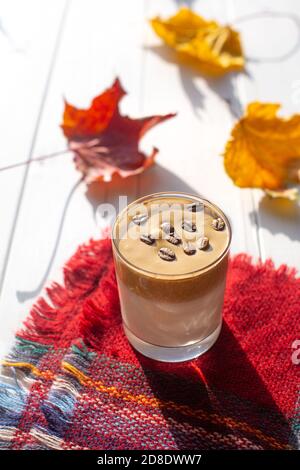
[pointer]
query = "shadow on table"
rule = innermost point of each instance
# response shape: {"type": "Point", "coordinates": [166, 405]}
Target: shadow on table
{"type": "Point", "coordinates": [201, 414]}
{"type": "Point", "coordinates": [156, 179]}
{"type": "Point", "coordinates": [159, 178]}
{"type": "Point", "coordinates": [278, 216]}
{"type": "Point", "coordinates": [184, 3]}
{"type": "Point", "coordinates": [189, 74]}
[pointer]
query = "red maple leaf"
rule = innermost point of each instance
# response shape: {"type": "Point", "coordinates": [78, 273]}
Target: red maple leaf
{"type": "Point", "coordinates": [103, 141]}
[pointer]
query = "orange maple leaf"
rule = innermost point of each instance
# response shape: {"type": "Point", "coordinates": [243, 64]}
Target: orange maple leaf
{"type": "Point", "coordinates": [103, 141]}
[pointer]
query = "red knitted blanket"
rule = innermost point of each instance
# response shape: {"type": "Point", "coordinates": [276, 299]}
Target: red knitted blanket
{"type": "Point", "coordinates": [72, 380]}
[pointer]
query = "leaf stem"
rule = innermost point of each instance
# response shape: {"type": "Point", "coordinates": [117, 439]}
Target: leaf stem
{"type": "Point", "coordinates": [25, 295]}
{"type": "Point", "coordinates": [273, 14]}
{"type": "Point", "coordinates": [38, 159]}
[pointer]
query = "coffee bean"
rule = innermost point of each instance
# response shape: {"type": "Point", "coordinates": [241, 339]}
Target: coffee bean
{"type": "Point", "coordinates": [139, 219]}
{"type": "Point", "coordinates": [148, 239]}
{"type": "Point", "coordinates": [189, 226]}
{"type": "Point", "coordinates": [174, 239]}
{"type": "Point", "coordinates": [194, 207]}
{"type": "Point", "coordinates": [167, 254]}
{"type": "Point", "coordinates": [203, 243]}
{"type": "Point", "coordinates": [218, 224]}
{"type": "Point", "coordinates": [167, 228]}
{"type": "Point", "coordinates": [189, 249]}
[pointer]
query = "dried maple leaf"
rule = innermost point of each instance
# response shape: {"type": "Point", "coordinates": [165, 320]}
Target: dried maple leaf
{"type": "Point", "coordinates": [103, 141]}
{"type": "Point", "coordinates": [264, 149]}
{"type": "Point", "coordinates": [216, 49]}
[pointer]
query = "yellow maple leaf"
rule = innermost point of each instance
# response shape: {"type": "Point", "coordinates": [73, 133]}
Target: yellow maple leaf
{"type": "Point", "coordinates": [216, 49]}
{"type": "Point", "coordinates": [264, 149]}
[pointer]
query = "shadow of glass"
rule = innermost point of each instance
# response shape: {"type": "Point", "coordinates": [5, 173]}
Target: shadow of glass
{"type": "Point", "coordinates": [279, 216]}
{"type": "Point", "coordinates": [215, 415]}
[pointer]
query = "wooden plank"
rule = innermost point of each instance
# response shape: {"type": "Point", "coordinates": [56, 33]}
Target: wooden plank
{"type": "Point", "coordinates": [272, 81]}
{"type": "Point", "coordinates": [100, 41]}
{"type": "Point", "coordinates": [28, 44]}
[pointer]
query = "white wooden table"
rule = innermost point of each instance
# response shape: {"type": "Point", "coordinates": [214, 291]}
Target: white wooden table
{"type": "Point", "coordinates": [75, 49]}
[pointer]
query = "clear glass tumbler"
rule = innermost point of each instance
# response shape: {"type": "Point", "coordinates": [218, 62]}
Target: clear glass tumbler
{"type": "Point", "coordinates": [172, 312]}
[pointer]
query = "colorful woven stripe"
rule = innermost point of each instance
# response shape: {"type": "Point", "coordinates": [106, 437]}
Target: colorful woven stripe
{"type": "Point", "coordinates": [72, 381]}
